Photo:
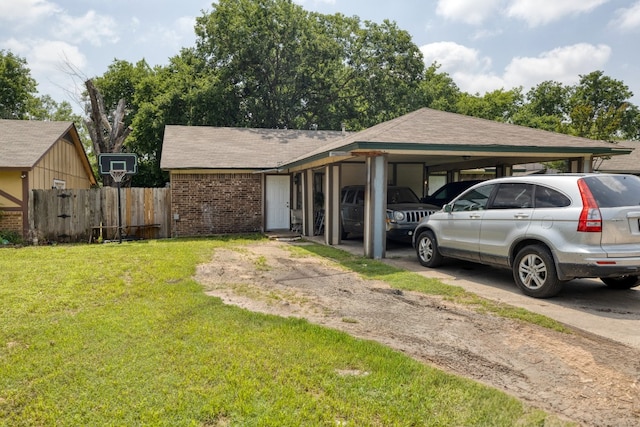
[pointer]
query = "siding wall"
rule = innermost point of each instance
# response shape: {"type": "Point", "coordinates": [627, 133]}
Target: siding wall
{"type": "Point", "coordinates": [62, 163]}
{"type": "Point", "coordinates": [216, 203]}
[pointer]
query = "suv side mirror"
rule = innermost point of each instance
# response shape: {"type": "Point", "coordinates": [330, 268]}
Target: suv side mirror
{"type": "Point", "coordinates": [448, 208]}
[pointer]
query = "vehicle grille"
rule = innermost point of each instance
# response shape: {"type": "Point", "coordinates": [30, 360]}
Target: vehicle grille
{"type": "Point", "coordinates": [416, 216]}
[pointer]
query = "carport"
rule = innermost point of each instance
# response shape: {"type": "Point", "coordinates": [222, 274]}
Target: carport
{"type": "Point", "coordinates": [440, 142]}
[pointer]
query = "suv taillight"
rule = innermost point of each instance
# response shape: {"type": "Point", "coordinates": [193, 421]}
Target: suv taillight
{"type": "Point", "coordinates": [590, 218]}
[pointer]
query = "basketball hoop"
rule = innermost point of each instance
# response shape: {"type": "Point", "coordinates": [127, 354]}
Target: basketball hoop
{"type": "Point", "coordinates": [117, 174]}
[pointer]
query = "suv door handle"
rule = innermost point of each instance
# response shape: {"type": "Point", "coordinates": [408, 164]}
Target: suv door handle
{"type": "Point", "coordinates": [474, 216]}
{"type": "Point", "coordinates": [521, 216]}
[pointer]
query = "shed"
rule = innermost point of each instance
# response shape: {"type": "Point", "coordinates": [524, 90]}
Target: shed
{"type": "Point", "coordinates": [38, 155]}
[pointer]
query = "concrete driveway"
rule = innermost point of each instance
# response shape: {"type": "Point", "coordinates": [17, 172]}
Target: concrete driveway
{"type": "Point", "coordinates": [586, 304]}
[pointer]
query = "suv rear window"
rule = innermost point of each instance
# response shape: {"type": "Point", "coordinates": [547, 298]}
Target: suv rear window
{"type": "Point", "coordinates": [614, 191]}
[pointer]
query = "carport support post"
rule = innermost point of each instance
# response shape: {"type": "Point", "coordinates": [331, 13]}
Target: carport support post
{"type": "Point", "coordinates": [580, 165]}
{"type": "Point", "coordinates": [332, 204]}
{"type": "Point", "coordinates": [307, 202]}
{"type": "Point", "coordinates": [375, 215]}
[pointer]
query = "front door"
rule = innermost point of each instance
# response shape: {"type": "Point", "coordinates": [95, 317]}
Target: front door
{"type": "Point", "coordinates": [277, 202]}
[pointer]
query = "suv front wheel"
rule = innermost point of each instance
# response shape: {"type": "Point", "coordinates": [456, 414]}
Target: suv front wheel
{"type": "Point", "coordinates": [535, 272]}
{"type": "Point", "coordinates": [427, 250]}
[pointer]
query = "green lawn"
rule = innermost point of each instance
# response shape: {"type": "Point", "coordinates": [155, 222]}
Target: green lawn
{"type": "Point", "coordinates": [121, 335]}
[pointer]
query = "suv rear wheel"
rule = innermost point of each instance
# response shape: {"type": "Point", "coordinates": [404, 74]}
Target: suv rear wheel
{"type": "Point", "coordinates": [535, 272]}
{"type": "Point", "coordinates": [623, 282]}
{"type": "Point", "coordinates": [427, 250]}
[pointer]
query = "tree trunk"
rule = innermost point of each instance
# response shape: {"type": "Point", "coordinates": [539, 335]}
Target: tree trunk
{"type": "Point", "coordinates": [106, 136]}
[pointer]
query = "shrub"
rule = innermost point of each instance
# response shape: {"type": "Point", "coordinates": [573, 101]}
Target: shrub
{"type": "Point", "coordinates": [9, 237]}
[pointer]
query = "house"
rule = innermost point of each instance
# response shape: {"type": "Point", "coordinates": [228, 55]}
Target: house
{"type": "Point", "coordinates": [37, 155]}
{"type": "Point", "coordinates": [621, 164]}
{"type": "Point", "coordinates": [219, 176]}
{"type": "Point", "coordinates": [237, 180]}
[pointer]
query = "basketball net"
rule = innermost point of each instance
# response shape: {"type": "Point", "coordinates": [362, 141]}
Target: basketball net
{"type": "Point", "coordinates": [117, 174]}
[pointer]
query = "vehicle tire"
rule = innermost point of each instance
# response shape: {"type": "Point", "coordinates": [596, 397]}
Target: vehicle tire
{"type": "Point", "coordinates": [427, 250]}
{"type": "Point", "coordinates": [343, 234]}
{"type": "Point", "coordinates": [535, 272]}
{"type": "Point", "coordinates": [622, 282]}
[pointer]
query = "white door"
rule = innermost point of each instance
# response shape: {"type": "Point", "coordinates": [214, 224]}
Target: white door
{"type": "Point", "coordinates": [277, 202]}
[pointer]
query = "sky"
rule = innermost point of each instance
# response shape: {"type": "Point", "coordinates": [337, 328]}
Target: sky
{"type": "Point", "coordinates": [484, 45]}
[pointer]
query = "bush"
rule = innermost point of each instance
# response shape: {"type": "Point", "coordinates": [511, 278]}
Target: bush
{"type": "Point", "coordinates": [9, 237]}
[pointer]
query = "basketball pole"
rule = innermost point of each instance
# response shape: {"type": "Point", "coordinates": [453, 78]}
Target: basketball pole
{"type": "Point", "coordinates": [119, 215]}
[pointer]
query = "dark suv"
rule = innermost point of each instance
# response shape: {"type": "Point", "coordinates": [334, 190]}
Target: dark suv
{"type": "Point", "coordinates": [447, 192]}
{"type": "Point", "coordinates": [547, 229]}
{"type": "Point", "coordinates": [404, 211]}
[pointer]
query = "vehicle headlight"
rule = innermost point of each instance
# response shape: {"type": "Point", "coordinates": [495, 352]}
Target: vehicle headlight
{"type": "Point", "coordinates": [398, 216]}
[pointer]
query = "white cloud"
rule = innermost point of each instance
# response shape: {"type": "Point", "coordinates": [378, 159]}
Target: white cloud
{"type": "Point", "coordinates": [92, 27]}
{"type": "Point", "coordinates": [629, 18]}
{"type": "Point", "coordinates": [563, 64]}
{"type": "Point", "coordinates": [453, 56]}
{"type": "Point", "coordinates": [540, 12]}
{"type": "Point", "coordinates": [47, 61]}
{"type": "Point", "coordinates": [45, 56]}
{"type": "Point", "coordinates": [26, 11]}
{"type": "Point", "coordinates": [468, 11]}
{"type": "Point", "coordinates": [472, 72]}
{"type": "Point", "coordinates": [175, 36]}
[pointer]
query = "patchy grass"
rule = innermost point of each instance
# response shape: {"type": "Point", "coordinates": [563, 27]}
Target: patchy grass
{"type": "Point", "coordinates": [121, 334]}
{"type": "Point", "coordinates": [406, 280]}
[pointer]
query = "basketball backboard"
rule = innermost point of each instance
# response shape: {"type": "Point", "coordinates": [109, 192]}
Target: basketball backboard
{"type": "Point", "coordinates": [118, 161]}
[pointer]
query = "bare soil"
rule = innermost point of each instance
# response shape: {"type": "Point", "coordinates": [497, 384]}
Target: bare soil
{"type": "Point", "coordinates": [578, 376]}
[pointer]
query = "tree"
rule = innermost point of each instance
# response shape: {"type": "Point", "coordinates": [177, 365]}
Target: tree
{"type": "Point", "coordinates": [288, 68]}
{"type": "Point", "coordinates": [438, 90]}
{"type": "Point", "coordinates": [546, 107]}
{"type": "Point", "coordinates": [17, 87]}
{"type": "Point", "coordinates": [599, 107]}
{"type": "Point", "coordinates": [500, 105]}
{"type": "Point", "coordinates": [107, 131]}
{"type": "Point", "coordinates": [46, 108]}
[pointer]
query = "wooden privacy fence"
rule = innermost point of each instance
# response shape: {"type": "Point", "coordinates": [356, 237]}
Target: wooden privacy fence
{"type": "Point", "coordinates": [91, 215]}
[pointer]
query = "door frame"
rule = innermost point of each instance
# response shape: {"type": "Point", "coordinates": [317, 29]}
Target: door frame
{"type": "Point", "coordinates": [277, 209]}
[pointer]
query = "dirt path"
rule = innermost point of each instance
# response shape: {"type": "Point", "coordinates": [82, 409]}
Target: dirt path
{"type": "Point", "coordinates": [581, 377]}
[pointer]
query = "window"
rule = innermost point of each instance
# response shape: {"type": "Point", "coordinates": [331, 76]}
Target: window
{"type": "Point", "coordinates": [513, 196]}
{"type": "Point", "coordinates": [549, 198]}
{"type": "Point", "coordinates": [615, 191]}
{"type": "Point", "coordinates": [474, 200]}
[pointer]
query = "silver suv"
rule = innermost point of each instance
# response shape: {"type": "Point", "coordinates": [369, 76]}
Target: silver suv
{"type": "Point", "coordinates": [547, 229]}
{"type": "Point", "coordinates": [404, 211]}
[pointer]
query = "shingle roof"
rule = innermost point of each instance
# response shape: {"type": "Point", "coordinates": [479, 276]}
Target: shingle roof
{"type": "Point", "coordinates": [24, 142]}
{"type": "Point", "coordinates": [194, 147]}
{"type": "Point", "coordinates": [433, 127]}
{"type": "Point", "coordinates": [420, 131]}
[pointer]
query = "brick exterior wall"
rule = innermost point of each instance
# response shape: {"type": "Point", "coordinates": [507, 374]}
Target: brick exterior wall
{"type": "Point", "coordinates": [210, 204]}
{"type": "Point", "coordinates": [11, 221]}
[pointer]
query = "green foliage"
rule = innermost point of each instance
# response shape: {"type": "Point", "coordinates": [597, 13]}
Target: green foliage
{"type": "Point", "coordinates": [438, 90]}
{"type": "Point", "coordinates": [500, 105]}
{"type": "Point", "coordinates": [546, 107]}
{"type": "Point", "coordinates": [598, 107]}
{"type": "Point", "coordinates": [8, 236]}
{"type": "Point", "coordinates": [134, 340]}
{"type": "Point", "coordinates": [17, 87]}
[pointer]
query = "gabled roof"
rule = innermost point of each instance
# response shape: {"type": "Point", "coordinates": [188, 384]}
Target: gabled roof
{"type": "Point", "coordinates": [24, 142]}
{"type": "Point", "coordinates": [204, 147]}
